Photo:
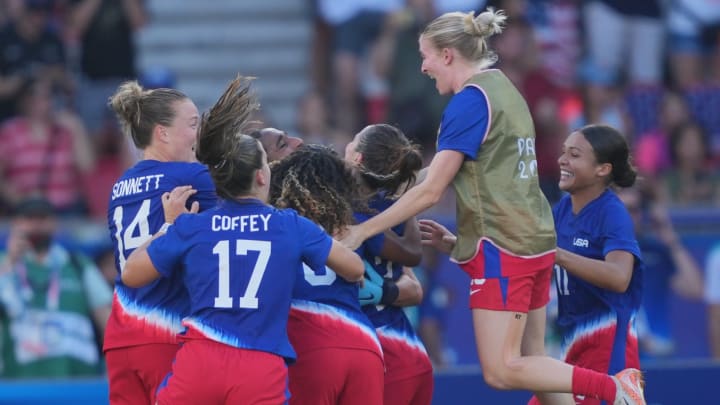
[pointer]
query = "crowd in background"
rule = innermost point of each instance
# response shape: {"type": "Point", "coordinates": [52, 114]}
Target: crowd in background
{"type": "Point", "coordinates": [650, 68]}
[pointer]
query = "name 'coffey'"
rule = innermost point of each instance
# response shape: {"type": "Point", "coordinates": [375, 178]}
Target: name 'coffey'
{"type": "Point", "coordinates": [136, 185]}
{"type": "Point", "coordinates": [243, 223]}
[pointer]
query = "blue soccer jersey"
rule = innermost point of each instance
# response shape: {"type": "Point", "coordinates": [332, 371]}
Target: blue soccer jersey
{"type": "Point", "coordinates": [593, 319]}
{"type": "Point", "coordinates": [326, 313]}
{"type": "Point", "coordinates": [405, 355]}
{"type": "Point", "coordinates": [150, 314]}
{"type": "Point", "coordinates": [239, 262]}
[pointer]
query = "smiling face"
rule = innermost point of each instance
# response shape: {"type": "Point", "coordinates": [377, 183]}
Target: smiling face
{"type": "Point", "coordinates": [433, 65]}
{"type": "Point", "coordinates": [278, 144]}
{"type": "Point", "coordinates": [263, 178]}
{"type": "Point", "coordinates": [579, 169]}
{"type": "Point", "coordinates": [182, 134]}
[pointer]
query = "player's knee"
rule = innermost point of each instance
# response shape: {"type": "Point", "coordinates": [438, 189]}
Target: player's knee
{"type": "Point", "coordinates": [507, 375]}
{"type": "Point", "coordinates": [497, 377]}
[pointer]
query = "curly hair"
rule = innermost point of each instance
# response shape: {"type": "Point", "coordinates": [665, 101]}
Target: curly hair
{"type": "Point", "coordinates": [315, 182]}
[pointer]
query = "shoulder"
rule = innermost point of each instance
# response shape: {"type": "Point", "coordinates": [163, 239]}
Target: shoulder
{"type": "Point", "coordinates": [470, 95]}
{"type": "Point", "coordinates": [613, 207]}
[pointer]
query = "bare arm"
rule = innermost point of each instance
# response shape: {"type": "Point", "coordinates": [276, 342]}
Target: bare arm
{"type": "Point", "coordinates": [81, 15]}
{"type": "Point", "coordinates": [406, 249]}
{"type": "Point", "coordinates": [441, 171]}
{"type": "Point", "coordinates": [411, 292]}
{"type": "Point", "coordinates": [613, 273]}
{"type": "Point", "coordinates": [139, 269]}
{"type": "Point", "coordinates": [136, 14]}
{"type": "Point", "coordinates": [82, 150]}
{"type": "Point", "coordinates": [345, 262]}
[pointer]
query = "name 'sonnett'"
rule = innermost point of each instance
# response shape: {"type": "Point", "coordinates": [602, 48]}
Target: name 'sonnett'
{"type": "Point", "coordinates": [136, 185]}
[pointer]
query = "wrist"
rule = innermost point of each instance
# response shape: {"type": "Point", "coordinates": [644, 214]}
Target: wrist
{"type": "Point", "coordinates": [390, 292]}
{"type": "Point", "coordinates": [164, 227]}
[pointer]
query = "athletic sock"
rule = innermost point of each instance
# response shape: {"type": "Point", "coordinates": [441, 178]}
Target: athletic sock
{"type": "Point", "coordinates": [593, 384]}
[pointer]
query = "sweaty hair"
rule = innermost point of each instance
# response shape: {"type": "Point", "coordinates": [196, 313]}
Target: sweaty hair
{"type": "Point", "coordinates": [467, 33]}
{"type": "Point", "coordinates": [389, 159]}
{"type": "Point", "coordinates": [610, 146]}
{"type": "Point", "coordinates": [139, 110]}
{"type": "Point", "coordinates": [232, 157]}
{"type": "Point", "coordinates": [315, 181]}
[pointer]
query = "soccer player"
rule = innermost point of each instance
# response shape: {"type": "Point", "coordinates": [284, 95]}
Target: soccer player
{"type": "Point", "coordinates": [140, 339]}
{"type": "Point", "coordinates": [386, 164]}
{"type": "Point", "coordinates": [506, 240]}
{"type": "Point", "coordinates": [599, 269]}
{"type": "Point", "coordinates": [239, 262]}
{"type": "Point", "coordinates": [339, 358]}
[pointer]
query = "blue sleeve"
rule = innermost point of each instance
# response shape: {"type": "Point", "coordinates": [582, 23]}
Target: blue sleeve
{"type": "Point", "coordinates": [203, 183]}
{"type": "Point", "coordinates": [316, 243]}
{"type": "Point", "coordinates": [166, 252]}
{"type": "Point", "coordinates": [465, 123]}
{"type": "Point", "coordinates": [619, 231]}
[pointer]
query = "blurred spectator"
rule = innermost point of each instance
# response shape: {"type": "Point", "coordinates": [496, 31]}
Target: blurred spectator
{"type": "Point", "coordinates": [45, 151]}
{"type": "Point", "coordinates": [433, 310]}
{"type": "Point", "coordinates": [53, 303]}
{"type": "Point", "coordinates": [669, 268]}
{"type": "Point", "coordinates": [712, 295]}
{"type": "Point", "coordinates": [694, 41]}
{"type": "Point", "coordinates": [623, 35]}
{"type": "Point", "coordinates": [105, 30]}
{"type": "Point", "coordinates": [29, 46]}
{"type": "Point", "coordinates": [704, 102]}
{"type": "Point", "coordinates": [518, 57]}
{"type": "Point", "coordinates": [355, 27]}
{"type": "Point", "coordinates": [314, 126]}
{"type": "Point", "coordinates": [691, 181]}
{"type": "Point", "coordinates": [556, 29]}
{"type": "Point", "coordinates": [652, 149]}
{"type": "Point", "coordinates": [105, 262]}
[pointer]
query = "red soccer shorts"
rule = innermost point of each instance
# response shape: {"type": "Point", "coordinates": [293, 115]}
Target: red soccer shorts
{"type": "Point", "coordinates": [337, 376]}
{"type": "Point", "coordinates": [416, 390]}
{"type": "Point", "coordinates": [135, 372]}
{"type": "Point", "coordinates": [500, 281]}
{"type": "Point", "coordinates": [208, 372]}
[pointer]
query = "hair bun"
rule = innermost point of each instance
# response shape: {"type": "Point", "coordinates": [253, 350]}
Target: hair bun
{"type": "Point", "coordinates": [486, 24]}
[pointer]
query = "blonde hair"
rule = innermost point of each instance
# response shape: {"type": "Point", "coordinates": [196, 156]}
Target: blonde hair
{"type": "Point", "coordinates": [467, 33]}
{"type": "Point", "coordinates": [139, 110]}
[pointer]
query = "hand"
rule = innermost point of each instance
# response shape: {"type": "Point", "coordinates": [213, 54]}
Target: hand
{"type": "Point", "coordinates": [371, 291]}
{"type": "Point", "coordinates": [174, 203]}
{"type": "Point", "coordinates": [435, 235]}
{"type": "Point", "coordinates": [352, 238]}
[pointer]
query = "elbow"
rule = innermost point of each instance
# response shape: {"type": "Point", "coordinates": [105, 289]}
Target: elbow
{"type": "Point", "coordinates": [432, 196]}
{"type": "Point", "coordinates": [417, 297]}
{"type": "Point", "coordinates": [621, 285]}
{"type": "Point", "coordinates": [131, 275]}
{"type": "Point", "coordinates": [128, 278]}
{"type": "Point", "coordinates": [355, 270]}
